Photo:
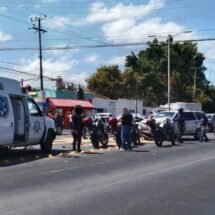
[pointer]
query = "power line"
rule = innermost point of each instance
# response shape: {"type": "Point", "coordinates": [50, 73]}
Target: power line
{"type": "Point", "coordinates": [29, 74]}
{"type": "Point", "coordinates": [18, 71]}
{"type": "Point", "coordinates": [101, 46]}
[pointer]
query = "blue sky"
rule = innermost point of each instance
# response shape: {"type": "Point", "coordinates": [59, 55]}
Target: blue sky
{"type": "Point", "coordinates": [74, 23]}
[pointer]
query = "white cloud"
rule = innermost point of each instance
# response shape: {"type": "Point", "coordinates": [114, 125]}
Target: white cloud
{"type": "Point", "coordinates": [58, 52]}
{"type": "Point", "coordinates": [130, 30]}
{"type": "Point", "coordinates": [58, 22]}
{"type": "Point", "coordinates": [100, 13]}
{"type": "Point", "coordinates": [48, 1]}
{"type": "Point", "coordinates": [128, 23]}
{"type": "Point", "coordinates": [91, 59]}
{"type": "Point", "coordinates": [79, 78]}
{"type": "Point", "coordinates": [208, 48]}
{"type": "Point", "coordinates": [4, 37]}
{"type": "Point", "coordinates": [120, 60]}
{"type": "Point", "coordinates": [2, 9]}
{"type": "Point", "coordinates": [51, 68]}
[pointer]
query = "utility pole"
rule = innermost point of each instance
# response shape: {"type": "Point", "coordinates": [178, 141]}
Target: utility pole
{"type": "Point", "coordinates": [136, 97]}
{"type": "Point", "coordinates": [40, 30]}
{"type": "Point", "coordinates": [169, 87]}
{"type": "Point", "coordinates": [22, 82]}
{"type": "Point", "coordinates": [169, 42]}
{"type": "Point", "coordinates": [194, 85]}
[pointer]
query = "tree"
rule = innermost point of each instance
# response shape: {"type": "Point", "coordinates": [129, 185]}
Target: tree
{"type": "Point", "coordinates": [106, 81]}
{"type": "Point", "coordinates": [146, 77]}
{"type": "Point", "coordinates": [69, 87]}
{"type": "Point", "coordinates": [151, 65]}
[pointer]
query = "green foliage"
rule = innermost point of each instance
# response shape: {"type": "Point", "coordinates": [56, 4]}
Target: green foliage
{"type": "Point", "coordinates": [146, 76]}
{"type": "Point", "coordinates": [151, 65]}
{"type": "Point", "coordinates": [106, 81]}
{"type": "Point", "coordinates": [67, 87]}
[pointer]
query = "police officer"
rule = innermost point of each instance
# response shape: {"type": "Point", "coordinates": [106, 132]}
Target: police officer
{"type": "Point", "coordinates": [181, 124]}
{"type": "Point", "coordinates": [203, 126]}
{"type": "Point", "coordinates": [77, 127]}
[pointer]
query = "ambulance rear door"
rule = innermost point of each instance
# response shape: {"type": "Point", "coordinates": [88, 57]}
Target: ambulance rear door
{"type": "Point", "coordinates": [21, 119]}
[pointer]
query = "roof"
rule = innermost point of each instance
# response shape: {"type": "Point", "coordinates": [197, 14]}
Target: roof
{"type": "Point", "coordinates": [53, 103]}
{"type": "Point", "coordinates": [10, 86]}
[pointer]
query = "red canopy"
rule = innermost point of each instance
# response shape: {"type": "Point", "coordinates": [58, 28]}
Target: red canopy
{"type": "Point", "coordinates": [58, 103]}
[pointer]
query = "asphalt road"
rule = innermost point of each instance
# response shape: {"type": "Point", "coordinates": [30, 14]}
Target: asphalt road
{"type": "Point", "coordinates": [148, 180]}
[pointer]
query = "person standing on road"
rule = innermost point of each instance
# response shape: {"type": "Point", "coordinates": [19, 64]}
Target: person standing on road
{"type": "Point", "coordinates": [126, 129]}
{"type": "Point", "coordinates": [203, 126]}
{"type": "Point", "coordinates": [181, 124]}
{"type": "Point", "coordinates": [77, 126]}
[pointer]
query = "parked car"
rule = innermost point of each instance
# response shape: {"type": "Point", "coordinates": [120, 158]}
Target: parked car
{"type": "Point", "coordinates": [211, 121]}
{"type": "Point", "coordinates": [192, 120]}
{"type": "Point", "coordinates": [104, 117]}
{"type": "Point", "coordinates": [136, 117]}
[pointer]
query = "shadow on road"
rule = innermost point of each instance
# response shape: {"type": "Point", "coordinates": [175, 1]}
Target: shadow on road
{"type": "Point", "coordinates": [139, 150]}
{"type": "Point", "coordinates": [20, 156]}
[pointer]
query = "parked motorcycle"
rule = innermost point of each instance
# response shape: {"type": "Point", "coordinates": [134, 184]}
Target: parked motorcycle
{"type": "Point", "coordinates": [98, 135]}
{"type": "Point", "coordinates": [135, 135]}
{"type": "Point", "coordinates": [58, 124]}
{"type": "Point", "coordinates": [159, 132]}
{"type": "Point", "coordinates": [164, 132]}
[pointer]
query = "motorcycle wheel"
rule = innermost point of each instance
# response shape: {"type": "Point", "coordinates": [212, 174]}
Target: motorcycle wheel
{"type": "Point", "coordinates": [104, 140]}
{"type": "Point", "coordinates": [159, 143]}
{"type": "Point", "coordinates": [94, 141]}
{"type": "Point", "coordinates": [59, 130]}
{"type": "Point", "coordinates": [158, 139]}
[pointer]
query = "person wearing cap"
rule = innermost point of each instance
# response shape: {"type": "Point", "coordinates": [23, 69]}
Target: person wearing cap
{"type": "Point", "coordinates": [77, 126]}
{"type": "Point", "coordinates": [181, 124]}
{"type": "Point", "coordinates": [203, 127]}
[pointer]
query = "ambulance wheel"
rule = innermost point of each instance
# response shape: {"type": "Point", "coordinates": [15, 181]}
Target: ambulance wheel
{"type": "Point", "coordinates": [46, 145]}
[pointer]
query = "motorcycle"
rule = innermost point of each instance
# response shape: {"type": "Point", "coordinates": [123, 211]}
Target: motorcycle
{"type": "Point", "coordinates": [164, 132]}
{"type": "Point", "coordinates": [135, 135]}
{"type": "Point", "coordinates": [159, 132]}
{"type": "Point", "coordinates": [59, 125]}
{"type": "Point", "coordinates": [98, 135]}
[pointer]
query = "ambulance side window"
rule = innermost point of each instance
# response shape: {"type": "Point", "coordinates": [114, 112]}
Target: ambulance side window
{"type": "Point", "coordinates": [33, 108]}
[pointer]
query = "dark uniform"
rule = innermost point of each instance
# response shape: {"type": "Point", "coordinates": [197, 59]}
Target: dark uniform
{"type": "Point", "coordinates": [77, 128]}
{"type": "Point", "coordinates": [203, 126]}
{"type": "Point", "coordinates": [181, 125]}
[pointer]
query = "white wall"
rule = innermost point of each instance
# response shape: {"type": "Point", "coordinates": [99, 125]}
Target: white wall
{"type": "Point", "coordinates": [115, 106]}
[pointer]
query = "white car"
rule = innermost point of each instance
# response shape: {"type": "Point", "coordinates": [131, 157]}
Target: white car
{"type": "Point", "coordinates": [136, 117]}
{"type": "Point", "coordinates": [192, 120]}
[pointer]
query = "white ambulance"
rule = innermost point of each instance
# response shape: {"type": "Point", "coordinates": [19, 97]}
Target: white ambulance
{"type": "Point", "coordinates": [21, 121]}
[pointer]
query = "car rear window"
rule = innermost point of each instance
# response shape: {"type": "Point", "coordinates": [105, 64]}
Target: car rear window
{"type": "Point", "coordinates": [164, 114]}
{"type": "Point", "coordinates": [198, 115]}
{"type": "Point", "coordinates": [189, 116]}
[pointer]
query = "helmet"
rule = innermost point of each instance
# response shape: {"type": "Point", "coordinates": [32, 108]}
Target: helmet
{"type": "Point", "coordinates": [180, 110]}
